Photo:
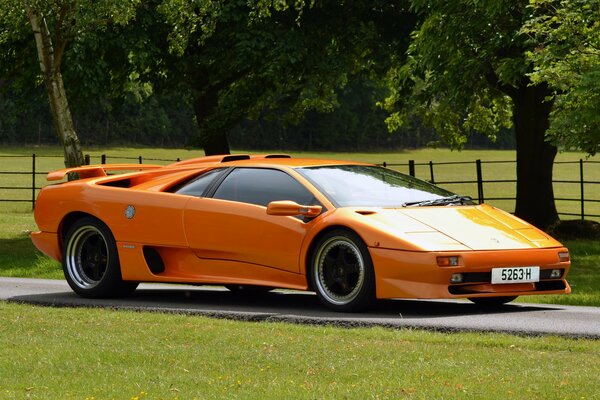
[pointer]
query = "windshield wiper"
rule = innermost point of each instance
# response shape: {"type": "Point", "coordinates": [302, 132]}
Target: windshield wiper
{"type": "Point", "coordinates": [444, 201]}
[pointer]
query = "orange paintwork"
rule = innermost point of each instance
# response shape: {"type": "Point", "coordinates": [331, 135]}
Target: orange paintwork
{"type": "Point", "coordinates": [92, 171]}
{"type": "Point", "coordinates": [212, 241]}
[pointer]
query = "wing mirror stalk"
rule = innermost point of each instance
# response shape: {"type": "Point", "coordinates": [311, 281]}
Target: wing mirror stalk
{"type": "Point", "coordinates": [291, 209]}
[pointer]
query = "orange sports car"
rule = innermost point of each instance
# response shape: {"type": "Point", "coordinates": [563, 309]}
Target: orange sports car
{"type": "Point", "coordinates": [351, 232]}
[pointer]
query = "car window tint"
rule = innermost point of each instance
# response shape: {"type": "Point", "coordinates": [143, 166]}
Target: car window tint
{"type": "Point", "coordinates": [262, 186]}
{"type": "Point", "coordinates": [198, 186]}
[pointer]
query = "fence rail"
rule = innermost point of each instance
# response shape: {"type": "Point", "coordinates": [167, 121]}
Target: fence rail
{"type": "Point", "coordinates": [32, 185]}
{"type": "Point", "coordinates": [479, 181]}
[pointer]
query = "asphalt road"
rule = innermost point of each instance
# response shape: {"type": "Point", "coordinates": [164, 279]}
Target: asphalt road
{"type": "Point", "coordinates": [300, 307]}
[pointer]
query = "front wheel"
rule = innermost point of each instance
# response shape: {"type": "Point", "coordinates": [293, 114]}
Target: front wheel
{"type": "Point", "coordinates": [91, 262]}
{"type": "Point", "coordinates": [492, 301]}
{"type": "Point", "coordinates": [342, 272]}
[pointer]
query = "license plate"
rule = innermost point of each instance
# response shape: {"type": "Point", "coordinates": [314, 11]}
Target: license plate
{"type": "Point", "coordinates": [516, 275]}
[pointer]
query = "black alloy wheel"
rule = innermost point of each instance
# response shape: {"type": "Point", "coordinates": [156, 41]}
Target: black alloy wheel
{"type": "Point", "coordinates": [342, 272]}
{"type": "Point", "coordinates": [91, 262]}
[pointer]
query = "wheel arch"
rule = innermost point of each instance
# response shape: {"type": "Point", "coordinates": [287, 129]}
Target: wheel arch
{"type": "Point", "coordinates": [313, 243]}
{"type": "Point", "coordinates": [106, 278]}
{"type": "Point", "coordinates": [68, 221]}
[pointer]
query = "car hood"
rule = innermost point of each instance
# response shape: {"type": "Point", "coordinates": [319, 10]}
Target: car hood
{"type": "Point", "coordinates": [480, 227]}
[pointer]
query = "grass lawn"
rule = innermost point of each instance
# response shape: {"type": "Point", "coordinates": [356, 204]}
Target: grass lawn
{"type": "Point", "coordinates": [48, 353]}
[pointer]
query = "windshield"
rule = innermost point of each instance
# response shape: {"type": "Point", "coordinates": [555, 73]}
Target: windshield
{"type": "Point", "coordinates": [371, 186]}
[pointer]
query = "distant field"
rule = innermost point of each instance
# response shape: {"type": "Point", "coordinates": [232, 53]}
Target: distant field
{"type": "Point", "coordinates": [49, 158]}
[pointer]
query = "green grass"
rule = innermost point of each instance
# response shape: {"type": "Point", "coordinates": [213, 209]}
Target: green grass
{"type": "Point", "coordinates": [583, 276]}
{"type": "Point", "coordinates": [18, 256]}
{"type": "Point", "coordinates": [50, 353]}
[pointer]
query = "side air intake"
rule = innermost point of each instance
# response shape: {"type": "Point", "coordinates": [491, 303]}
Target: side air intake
{"type": "Point", "coordinates": [154, 260]}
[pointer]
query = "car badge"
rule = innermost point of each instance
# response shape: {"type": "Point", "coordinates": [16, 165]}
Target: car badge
{"type": "Point", "coordinates": [130, 212]}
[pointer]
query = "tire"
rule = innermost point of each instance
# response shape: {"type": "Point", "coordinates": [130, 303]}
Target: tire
{"type": "Point", "coordinates": [342, 272]}
{"type": "Point", "coordinates": [492, 301]}
{"type": "Point", "coordinates": [91, 262]}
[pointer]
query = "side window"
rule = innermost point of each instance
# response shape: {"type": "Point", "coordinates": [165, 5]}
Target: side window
{"type": "Point", "coordinates": [262, 186]}
{"type": "Point", "coordinates": [197, 187]}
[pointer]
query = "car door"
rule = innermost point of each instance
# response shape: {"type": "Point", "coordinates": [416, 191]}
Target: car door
{"type": "Point", "coordinates": [232, 224]}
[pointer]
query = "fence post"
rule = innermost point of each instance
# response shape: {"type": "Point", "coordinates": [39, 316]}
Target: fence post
{"type": "Point", "coordinates": [479, 181]}
{"type": "Point", "coordinates": [140, 159]}
{"type": "Point", "coordinates": [431, 172]}
{"type": "Point", "coordinates": [33, 181]}
{"type": "Point", "coordinates": [87, 159]}
{"type": "Point", "coordinates": [411, 167]}
{"type": "Point", "coordinates": [581, 186]}
{"type": "Point", "coordinates": [103, 159]}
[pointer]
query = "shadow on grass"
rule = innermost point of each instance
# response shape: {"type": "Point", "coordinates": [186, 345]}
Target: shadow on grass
{"type": "Point", "coordinates": [20, 258]}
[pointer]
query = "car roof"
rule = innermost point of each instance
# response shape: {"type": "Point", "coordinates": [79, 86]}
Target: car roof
{"type": "Point", "coordinates": [262, 161]}
{"type": "Point", "coordinates": [150, 172]}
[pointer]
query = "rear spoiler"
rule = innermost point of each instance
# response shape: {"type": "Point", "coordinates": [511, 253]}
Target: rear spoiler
{"type": "Point", "coordinates": [94, 171]}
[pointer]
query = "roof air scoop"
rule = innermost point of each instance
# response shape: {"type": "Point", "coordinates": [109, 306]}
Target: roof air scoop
{"type": "Point", "coordinates": [278, 156]}
{"type": "Point", "coordinates": [235, 157]}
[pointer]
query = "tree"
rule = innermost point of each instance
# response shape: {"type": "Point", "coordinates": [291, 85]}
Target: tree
{"type": "Point", "coordinates": [55, 25]}
{"type": "Point", "coordinates": [567, 59]}
{"type": "Point", "coordinates": [469, 69]}
{"type": "Point", "coordinates": [236, 58]}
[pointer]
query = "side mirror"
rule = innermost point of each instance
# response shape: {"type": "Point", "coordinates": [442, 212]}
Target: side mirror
{"type": "Point", "coordinates": [291, 209]}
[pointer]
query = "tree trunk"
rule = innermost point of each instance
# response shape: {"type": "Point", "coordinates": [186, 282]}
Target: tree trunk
{"type": "Point", "coordinates": [213, 140]}
{"type": "Point", "coordinates": [50, 66]}
{"type": "Point", "coordinates": [535, 157]}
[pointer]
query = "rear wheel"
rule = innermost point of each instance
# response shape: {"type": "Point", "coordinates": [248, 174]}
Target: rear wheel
{"type": "Point", "coordinates": [492, 301]}
{"type": "Point", "coordinates": [91, 262]}
{"type": "Point", "coordinates": [342, 272]}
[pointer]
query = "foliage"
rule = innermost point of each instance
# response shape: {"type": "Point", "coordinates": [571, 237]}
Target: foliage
{"type": "Point", "coordinates": [269, 59]}
{"type": "Point", "coordinates": [277, 60]}
{"type": "Point", "coordinates": [55, 25]}
{"type": "Point", "coordinates": [567, 57]}
{"type": "Point", "coordinates": [461, 58]}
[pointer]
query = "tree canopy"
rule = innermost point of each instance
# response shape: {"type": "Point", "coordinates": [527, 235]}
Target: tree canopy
{"type": "Point", "coordinates": [458, 67]}
{"type": "Point", "coordinates": [567, 58]}
{"type": "Point", "coordinates": [55, 25]}
{"type": "Point", "coordinates": [477, 66]}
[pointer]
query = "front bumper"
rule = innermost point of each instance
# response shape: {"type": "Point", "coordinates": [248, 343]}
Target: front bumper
{"type": "Point", "coordinates": [408, 274]}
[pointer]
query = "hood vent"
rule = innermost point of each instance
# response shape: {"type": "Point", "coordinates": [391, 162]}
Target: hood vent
{"type": "Point", "coordinates": [366, 212]}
